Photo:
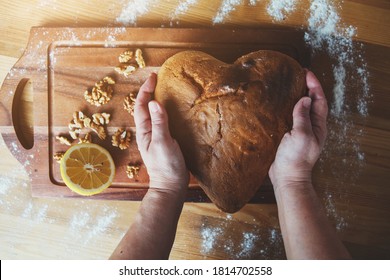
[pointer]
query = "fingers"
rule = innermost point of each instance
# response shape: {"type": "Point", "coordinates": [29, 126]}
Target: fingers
{"type": "Point", "coordinates": [159, 120]}
{"type": "Point", "coordinates": [301, 115]}
{"type": "Point", "coordinates": [141, 112]}
{"type": "Point", "coordinates": [314, 86]}
{"type": "Point", "coordinates": [319, 110]}
{"type": "Point", "coordinates": [316, 94]}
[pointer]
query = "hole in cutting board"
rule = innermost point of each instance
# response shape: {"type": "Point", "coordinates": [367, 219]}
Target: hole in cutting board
{"type": "Point", "coordinates": [22, 113]}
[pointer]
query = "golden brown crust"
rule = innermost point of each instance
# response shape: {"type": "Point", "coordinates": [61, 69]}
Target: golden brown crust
{"type": "Point", "coordinates": [230, 118]}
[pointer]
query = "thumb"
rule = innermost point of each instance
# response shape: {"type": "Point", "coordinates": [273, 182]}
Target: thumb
{"type": "Point", "coordinates": [159, 120]}
{"type": "Point", "coordinates": [301, 115]}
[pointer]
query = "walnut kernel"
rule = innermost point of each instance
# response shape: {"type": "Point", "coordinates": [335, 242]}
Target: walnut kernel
{"type": "Point", "coordinates": [121, 139]}
{"type": "Point", "coordinates": [126, 70]}
{"type": "Point", "coordinates": [64, 140]}
{"type": "Point", "coordinates": [139, 58]}
{"type": "Point", "coordinates": [58, 156]}
{"type": "Point", "coordinates": [132, 170]}
{"type": "Point", "coordinates": [129, 103]}
{"type": "Point", "coordinates": [87, 138]}
{"type": "Point", "coordinates": [76, 124]}
{"type": "Point", "coordinates": [129, 62]}
{"type": "Point", "coordinates": [101, 93]}
{"type": "Point", "coordinates": [126, 56]}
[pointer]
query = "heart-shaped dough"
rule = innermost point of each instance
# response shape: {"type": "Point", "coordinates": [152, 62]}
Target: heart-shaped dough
{"type": "Point", "coordinates": [230, 118]}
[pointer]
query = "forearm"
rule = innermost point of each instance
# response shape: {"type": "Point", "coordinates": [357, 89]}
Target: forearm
{"type": "Point", "coordinates": [307, 233]}
{"type": "Point", "coordinates": [153, 231]}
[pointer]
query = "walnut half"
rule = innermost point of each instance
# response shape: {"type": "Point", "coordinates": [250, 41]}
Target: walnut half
{"type": "Point", "coordinates": [130, 62]}
{"type": "Point", "coordinates": [101, 93]}
{"type": "Point", "coordinates": [99, 121]}
{"type": "Point", "coordinates": [139, 58]}
{"type": "Point", "coordinates": [58, 156]}
{"type": "Point", "coordinates": [121, 139]}
{"type": "Point", "coordinates": [64, 140]}
{"type": "Point", "coordinates": [129, 103]}
{"type": "Point", "coordinates": [132, 170]}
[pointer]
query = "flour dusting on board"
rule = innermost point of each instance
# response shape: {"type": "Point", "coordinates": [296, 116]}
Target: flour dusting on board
{"type": "Point", "coordinates": [85, 228]}
{"type": "Point", "coordinates": [182, 7]}
{"type": "Point", "coordinates": [227, 6]}
{"type": "Point", "coordinates": [279, 9]}
{"type": "Point", "coordinates": [133, 10]}
{"type": "Point", "coordinates": [327, 31]}
{"type": "Point", "coordinates": [240, 240]}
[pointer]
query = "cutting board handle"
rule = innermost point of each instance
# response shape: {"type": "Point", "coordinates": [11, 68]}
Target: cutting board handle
{"type": "Point", "coordinates": [16, 110]}
{"type": "Point", "coordinates": [22, 113]}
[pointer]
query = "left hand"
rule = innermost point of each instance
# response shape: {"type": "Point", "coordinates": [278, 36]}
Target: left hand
{"type": "Point", "coordinates": [160, 152]}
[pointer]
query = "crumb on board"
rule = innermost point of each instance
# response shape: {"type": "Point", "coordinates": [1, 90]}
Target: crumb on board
{"type": "Point", "coordinates": [58, 156]}
{"type": "Point", "coordinates": [132, 170]}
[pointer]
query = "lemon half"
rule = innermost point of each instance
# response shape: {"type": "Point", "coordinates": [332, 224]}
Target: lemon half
{"type": "Point", "coordinates": [87, 169]}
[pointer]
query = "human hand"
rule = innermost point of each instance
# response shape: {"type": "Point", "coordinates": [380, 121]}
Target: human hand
{"type": "Point", "coordinates": [301, 147]}
{"type": "Point", "coordinates": [160, 152]}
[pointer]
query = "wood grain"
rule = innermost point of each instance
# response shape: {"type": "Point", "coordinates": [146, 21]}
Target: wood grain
{"type": "Point", "coordinates": [355, 193]}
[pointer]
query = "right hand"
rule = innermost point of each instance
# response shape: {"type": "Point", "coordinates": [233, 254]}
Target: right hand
{"type": "Point", "coordinates": [160, 152]}
{"type": "Point", "coordinates": [301, 147]}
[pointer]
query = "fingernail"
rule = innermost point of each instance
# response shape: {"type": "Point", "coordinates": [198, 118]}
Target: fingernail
{"type": "Point", "coordinates": [307, 102]}
{"type": "Point", "coordinates": [153, 107]}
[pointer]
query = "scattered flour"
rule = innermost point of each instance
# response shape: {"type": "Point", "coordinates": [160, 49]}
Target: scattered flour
{"type": "Point", "coordinates": [101, 225]}
{"type": "Point", "coordinates": [334, 214]}
{"type": "Point", "coordinates": [5, 185]}
{"type": "Point", "coordinates": [351, 93]}
{"type": "Point", "coordinates": [227, 6]}
{"type": "Point", "coordinates": [327, 31]}
{"type": "Point", "coordinates": [253, 2]}
{"type": "Point", "coordinates": [84, 228]}
{"type": "Point", "coordinates": [183, 7]}
{"type": "Point", "coordinates": [209, 237]}
{"type": "Point", "coordinates": [245, 241]}
{"type": "Point", "coordinates": [279, 9]}
{"type": "Point", "coordinates": [248, 244]}
{"type": "Point", "coordinates": [133, 10]}
{"type": "Point", "coordinates": [79, 221]}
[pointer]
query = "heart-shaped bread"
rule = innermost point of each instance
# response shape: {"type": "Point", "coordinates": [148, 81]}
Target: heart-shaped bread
{"type": "Point", "coordinates": [230, 118]}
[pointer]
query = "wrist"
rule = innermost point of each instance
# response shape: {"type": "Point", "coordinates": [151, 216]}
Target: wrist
{"type": "Point", "coordinates": [292, 188]}
{"type": "Point", "coordinates": [167, 192]}
{"type": "Point", "coordinates": [290, 178]}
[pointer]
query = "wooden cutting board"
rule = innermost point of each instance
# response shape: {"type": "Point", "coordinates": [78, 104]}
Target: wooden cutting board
{"type": "Point", "coordinates": [61, 63]}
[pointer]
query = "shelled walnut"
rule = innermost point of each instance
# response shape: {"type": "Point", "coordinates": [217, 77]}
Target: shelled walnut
{"type": "Point", "coordinates": [132, 170]}
{"type": "Point", "coordinates": [129, 103]}
{"type": "Point", "coordinates": [86, 139]}
{"type": "Point", "coordinates": [129, 62]}
{"type": "Point", "coordinates": [101, 93]}
{"type": "Point", "coordinates": [101, 118]}
{"type": "Point", "coordinates": [64, 140]}
{"type": "Point", "coordinates": [58, 156]}
{"type": "Point", "coordinates": [126, 70]}
{"type": "Point", "coordinates": [126, 56]}
{"type": "Point", "coordinates": [121, 139]}
{"type": "Point", "coordinates": [139, 58]}
{"type": "Point", "coordinates": [97, 124]}
{"type": "Point", "coordinates": [78, 122]}
{"type": "Point", "coordinates": [99, 121]}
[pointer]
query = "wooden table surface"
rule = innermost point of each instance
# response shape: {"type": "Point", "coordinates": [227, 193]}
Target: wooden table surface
{"type": "Point", "coordinates": [352, 177]}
